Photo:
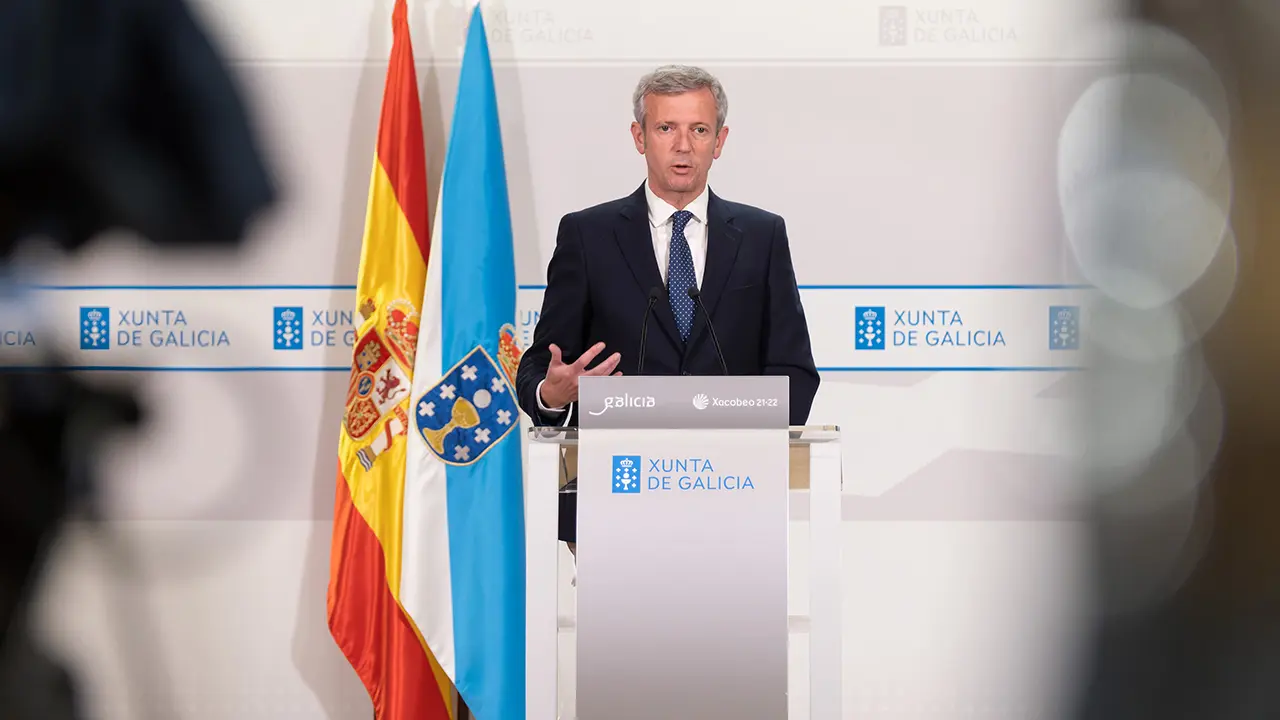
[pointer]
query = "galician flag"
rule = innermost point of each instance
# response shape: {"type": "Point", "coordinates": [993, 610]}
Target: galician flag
{"type": "Point", "coordinates": [464, 488]}
{"type": "Point", "coordinates": [370, 551]}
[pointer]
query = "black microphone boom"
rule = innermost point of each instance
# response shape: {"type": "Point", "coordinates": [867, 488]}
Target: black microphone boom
{"type": "Point", "coordinates": [696, 295]}
{"type": "Point", "coordinates": [654, 293]}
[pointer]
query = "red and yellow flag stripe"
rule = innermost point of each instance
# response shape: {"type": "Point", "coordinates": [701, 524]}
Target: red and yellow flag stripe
{"type": "Point", "coordinates": [364, 612]}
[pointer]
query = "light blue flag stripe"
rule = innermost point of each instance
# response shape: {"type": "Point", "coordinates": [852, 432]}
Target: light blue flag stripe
{"type": "Point", "coordinates": [485, 498]}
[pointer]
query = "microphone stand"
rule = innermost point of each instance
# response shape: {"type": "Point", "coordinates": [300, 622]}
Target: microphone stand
{"type": "Point", "coordinates": [696, 295]}
{"type": "Point", "coordinates": [654, 294]}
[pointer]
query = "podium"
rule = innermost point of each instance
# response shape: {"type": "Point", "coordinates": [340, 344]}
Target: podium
{"type": "Point", "coordinates": [684, 493]}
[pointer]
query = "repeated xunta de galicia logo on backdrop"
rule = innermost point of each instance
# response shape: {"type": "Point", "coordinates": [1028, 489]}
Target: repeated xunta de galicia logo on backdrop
{"type": "Point", "coordinates": [879, 327]}
{"type": "Point", "coordinates": [103, 327]}
{"type": "Point", "coordinates": [899, 325]}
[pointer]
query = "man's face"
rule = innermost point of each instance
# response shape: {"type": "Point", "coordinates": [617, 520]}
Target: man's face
{"type": "Point", "coordinates": [679, 140]}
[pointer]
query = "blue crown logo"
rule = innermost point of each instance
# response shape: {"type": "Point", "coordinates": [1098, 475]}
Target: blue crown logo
{"type": "Point", "coordinates": [869, 330]}
{"type": "Point", "coordinates": [288, 328]}
{"type": "Point", "coordinates": [626, 474]}
{"type": "Point", "coordinates": [1064, 327]}
{"type": "Point", "coordinates": [95, 328]}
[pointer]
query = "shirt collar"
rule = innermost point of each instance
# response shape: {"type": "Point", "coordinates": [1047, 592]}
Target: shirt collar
{"type": "Point", "coordinates": [660, 211]}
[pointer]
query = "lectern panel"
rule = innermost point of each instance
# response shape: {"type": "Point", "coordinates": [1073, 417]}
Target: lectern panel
{"type": "Point", "coordinates": [682, 574]}
{"type": "Point", "coordinates": [682, 548]}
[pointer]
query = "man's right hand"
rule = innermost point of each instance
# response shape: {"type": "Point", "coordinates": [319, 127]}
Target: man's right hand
{"type": "Point", "coordinates": [561, 384]}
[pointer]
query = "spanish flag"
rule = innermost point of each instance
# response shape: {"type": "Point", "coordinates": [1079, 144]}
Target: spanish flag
{"type": "Point", "coordinates": [366, 618]}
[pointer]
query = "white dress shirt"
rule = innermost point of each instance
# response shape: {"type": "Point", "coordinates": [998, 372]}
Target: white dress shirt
{"type": "Point", "coordinates": [695, 232]}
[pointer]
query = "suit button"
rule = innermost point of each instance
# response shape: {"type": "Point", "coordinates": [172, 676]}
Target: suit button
{"type": "Point", "coordinates": [686, 372]}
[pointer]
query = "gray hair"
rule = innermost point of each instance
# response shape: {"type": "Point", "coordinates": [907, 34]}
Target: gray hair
{"type": "Point", "coordinates": [676, 79]}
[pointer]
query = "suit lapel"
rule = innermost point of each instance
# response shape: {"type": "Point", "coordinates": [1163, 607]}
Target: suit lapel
{"type": "Point", "coordinates": [636, 243]}
{"type": "Point", "coordinates": [723, 241]}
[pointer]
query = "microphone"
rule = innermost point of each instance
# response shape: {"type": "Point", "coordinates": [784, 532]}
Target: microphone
{"type": "Point", "coordinates": [654, 294]}
{"type": "Point", "coordinates": [696, 295]}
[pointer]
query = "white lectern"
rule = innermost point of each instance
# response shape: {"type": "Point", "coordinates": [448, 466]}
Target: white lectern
{"type": "Point", "coordinates": [683, 512]}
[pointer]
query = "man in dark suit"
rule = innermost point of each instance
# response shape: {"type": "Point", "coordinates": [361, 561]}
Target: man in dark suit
{"type": "Point", "coordinates": [672, 233]}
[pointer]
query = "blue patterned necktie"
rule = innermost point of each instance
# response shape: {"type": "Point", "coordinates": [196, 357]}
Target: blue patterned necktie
{"type": "Point", "coordinates": [680, 274]}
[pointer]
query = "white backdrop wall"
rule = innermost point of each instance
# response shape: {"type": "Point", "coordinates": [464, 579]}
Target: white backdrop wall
{"type": "Point", "coordinates": [912, 150]}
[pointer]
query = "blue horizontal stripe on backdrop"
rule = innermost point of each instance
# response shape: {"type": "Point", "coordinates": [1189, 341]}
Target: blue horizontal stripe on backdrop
{"type": "Point", "coordinates": [1011, 369]}
{"type": "Point", "coordinates": [912, 287]}
{"type": "Point", "coordinates": [344, 369]}
{"type": "Point", "coordinates": [543, 287]}
{"type": "Point", "coordinates": [173, 368]}
{"type": "Point", "coordinates": [181, 287]}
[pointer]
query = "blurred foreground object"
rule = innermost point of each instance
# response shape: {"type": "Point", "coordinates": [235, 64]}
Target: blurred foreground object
{"type": "Point", "coordinates": [1183, 417]}
{"type": "Point", "coordinates": [120, 114]}
{"type": "Point", "coordinates": [50, 429]}
{"type": "Point", "coordinates": [114, 115]}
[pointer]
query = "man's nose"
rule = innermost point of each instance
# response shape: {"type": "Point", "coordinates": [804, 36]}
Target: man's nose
{"type": "Point", "coordinates": [683, 142]}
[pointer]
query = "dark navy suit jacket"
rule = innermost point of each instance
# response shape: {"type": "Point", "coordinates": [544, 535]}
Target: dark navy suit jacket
{"type": "Point", "coordinates": [598, 284]}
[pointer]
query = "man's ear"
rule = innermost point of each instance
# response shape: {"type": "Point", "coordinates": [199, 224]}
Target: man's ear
{"type": "Point", "coordinates": [637, 136]}
{"type": "Point", "coordinates": [720, 138]}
